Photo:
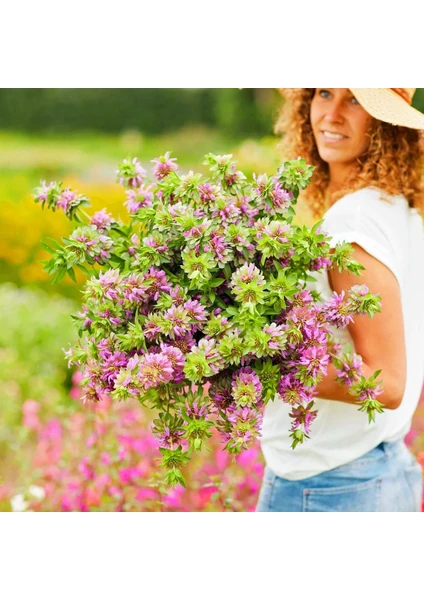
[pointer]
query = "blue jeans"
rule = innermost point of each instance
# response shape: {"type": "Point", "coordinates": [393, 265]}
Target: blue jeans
{"type": "Point", "coordinates": [386, 479]}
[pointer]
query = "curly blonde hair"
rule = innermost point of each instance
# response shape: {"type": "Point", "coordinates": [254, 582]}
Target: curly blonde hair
{"type": "Point", "coordinates": [393, 162]}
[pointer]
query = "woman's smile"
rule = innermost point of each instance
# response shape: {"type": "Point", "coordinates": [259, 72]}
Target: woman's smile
{"type": "Point", "coordinates": [332, 137]}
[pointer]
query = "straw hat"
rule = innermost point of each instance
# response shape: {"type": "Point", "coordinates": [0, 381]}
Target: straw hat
{"type": "Point", "coordinates": [391, 105]}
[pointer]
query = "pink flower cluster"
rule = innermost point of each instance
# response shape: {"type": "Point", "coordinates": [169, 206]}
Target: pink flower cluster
{"type": "Point", "coordinates": [100, 458]}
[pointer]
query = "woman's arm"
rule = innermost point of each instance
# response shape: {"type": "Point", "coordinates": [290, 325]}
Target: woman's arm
{"type": "Point", "coordinates": [380, 340]}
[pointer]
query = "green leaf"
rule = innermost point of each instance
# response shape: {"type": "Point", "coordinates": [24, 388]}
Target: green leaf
{"type": "Point", "coordinates": [216, 282]}
{"type": "Point", "coordinates": [71, 274]}
{"type": "Point", "coordinates": [47, 248]}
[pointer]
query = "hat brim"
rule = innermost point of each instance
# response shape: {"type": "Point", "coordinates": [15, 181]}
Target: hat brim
{"type": "Point", "coordinates": [386, 105]}
{"type": "Point", "coordinates": [383, 104]}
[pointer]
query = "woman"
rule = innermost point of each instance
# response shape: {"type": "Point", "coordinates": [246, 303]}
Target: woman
{"type": "Point", "coordinates": [368, 150]}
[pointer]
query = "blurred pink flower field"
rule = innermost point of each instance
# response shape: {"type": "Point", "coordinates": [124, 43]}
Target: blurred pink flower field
{"type": "Point", "coordinates": [104, 458]}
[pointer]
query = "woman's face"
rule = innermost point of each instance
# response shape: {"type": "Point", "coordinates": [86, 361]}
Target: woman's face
{"type": "Point", "coordinates": [340, 125]}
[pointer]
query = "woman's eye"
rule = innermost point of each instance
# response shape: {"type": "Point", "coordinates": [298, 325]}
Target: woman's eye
{"type": "Point", "coordinates": [324, 93]}
{"type": "Point", "coordinates": [354, 100]}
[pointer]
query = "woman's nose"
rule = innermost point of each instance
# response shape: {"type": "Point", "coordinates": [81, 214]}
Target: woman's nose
{"type": "Point", "coordinates": [335, 111]}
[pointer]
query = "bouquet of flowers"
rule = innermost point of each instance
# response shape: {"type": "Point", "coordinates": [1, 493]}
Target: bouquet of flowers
{"type": "Point", "coordinates": [198, 306]}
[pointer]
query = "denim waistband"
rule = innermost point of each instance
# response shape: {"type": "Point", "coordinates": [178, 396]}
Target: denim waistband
{"type": "Point", "coordinates": [391, 448]}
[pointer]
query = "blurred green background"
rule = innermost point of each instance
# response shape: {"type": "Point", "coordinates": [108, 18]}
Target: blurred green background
{"type": "Point", "coordinates": [78, 136]}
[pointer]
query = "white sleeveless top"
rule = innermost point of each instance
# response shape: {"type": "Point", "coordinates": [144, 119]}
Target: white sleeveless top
{"type": "Point", "coordinates": [393, 233]}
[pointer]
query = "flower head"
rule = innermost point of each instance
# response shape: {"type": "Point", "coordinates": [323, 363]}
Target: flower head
{"type": "Point", "coordinates": [164, 165]}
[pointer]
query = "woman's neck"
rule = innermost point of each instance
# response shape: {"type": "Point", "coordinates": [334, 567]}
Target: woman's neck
{"type": "Point", "coordinates": [340, 174]}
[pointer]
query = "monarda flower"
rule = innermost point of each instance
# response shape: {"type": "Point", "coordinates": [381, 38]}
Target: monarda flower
{"type": "Point", "coordinates": [246, 388]}
{"type": "Point", "coordinates": [232, 347]}
{"type": "Point", "coordinates": [337, 311]}
{"type": "Point", "coordinates": [185, 344]}
{"type": "Point", "coordinates": [111, 367]}
{"type": "Point", "coordinates": [134, 288]}
{"type": "Point", "coordinates": [196, 311]}
{"type": "Point", "coordinates": [110, 283]}
{"type": "Point", "coordinates": [204, 360]}
{"type": "Point", "coordinates": [314, 361]}
{"type": "Point", "coordinates": [176, 358]}
{"type": "Point", "coordinates": [219, 248]}
{"type": "Point", "coordinates": [48, 194]}
{"type": "Point", "coordinates": [318, 263]}
{"type": "Point", "coordinates": [196, 233]}
{"type": "Point", "coordinates": [163, 166]}
{"type": "Point", "coordinates": [362, 302]}
{"type": "Point", "coordinates": [220, 391]}
{"type": "Point", "coordinates": [130, 173]}
{"type": "Point", "coordinates": [176, 322]}
{"type": "Point", "coordinates": [156, 283]}
{"type": "Point", "coordinates": [246, 425]}
{"type": "Point", "coordinates": [155, 369]}
{"type": "Point", "coordinates": [349, 369]}
{"type": "Point", "coordinates": [217, 327]}
{"type": "Point", "coordinates": [293, 391]}
{"type": "Point", "coordinates": [280, 198]}
{"type": "Point", "coordinates": [170, 438]}
{"type": "Point", "coordinates": [102, 220]}
{"type": "Point", "coordinates": [198, 266]}
{"type": "Point", "coordinates": [87, 242]}
{"type": "Point", "coordinates": [125, 385]}
{"type": "Point", "coordinates": [209, 193]}
{"type": "Point", "coordinates": [225, 209]}
{"type": "Point", "coordinates": [152, 328]}
{"type": "Point", "coordinates": [303, 417]}
{"type": "Point", "coordinates": [137, 198]}
{"type": "Point", "coordinates": [246, 274]}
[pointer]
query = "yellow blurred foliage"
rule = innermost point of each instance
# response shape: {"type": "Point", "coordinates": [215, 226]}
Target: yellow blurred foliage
{"type": "Point", "coordinates": [24, 225]}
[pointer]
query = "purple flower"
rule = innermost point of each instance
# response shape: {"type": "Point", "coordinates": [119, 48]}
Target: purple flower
{"type": "Point", "coordinates": [134, 288]}
{"type": "Point", "coordinates": [246, 274]}
{"type": "Point", "coordinates": [163, 166]}
{"type": "Point", "coordinates": [185, 343]}
{"type": "Point", "coordinates": [315, 360]}
{"type": "Point", "coordinates": [226, 211]}
{"type": "Point", "coordinates": [177, 321]}
{"type": "Point", "coordinates": [66, 200]}
{"type": "Point", "coordinates": [278, 336]}
{"type": "Point", "coordinates": [111, 367]}
{"type": "Point", "coordinates": [318, 263]}
{"type": "Point", "coordinates": [170, 438]}
{"type": "Point", "coordinates": [43, 191]}
{"type": "Point", "coordinates": [292, 391]}
{"type": "Point", "coordinates": [138, 198]}
{"type": "Point", "coordinates": [280, 197]}
{"type": "Point", "coordinates": [196, 410]}
{"type": "Point", "coordinates": [157, 283]}
{"type": "Point", "coordinates": [152, 328]}
{"type": "Point", "coordinates": [336, 311]}
{"type": "Point", "coordinates": [276, 231]}
{"type": "Point", "coordinates": [195, 310]}
{"type": "Point", "coordinates": [101, 220]}
{"type": "Point", "coordinates": [177, 360]}
{"type": "Point", "coordinates": [83, 315]}
{"type": "Point", "coordinates": [350, 370]}
{"type": "Point", "coordinates": [220, 392]}
{"type": "Point", "coordinates": [155, 369]}
{"type": "Point", "coordinates": [130, 174]}
{"type": "Point", "coordinates": [247, 388]}
{"type": "Point", "coordinates": [369, 392]}
{"type": "Point", "coordinates": [109, 282]}
{"type": "Point", "coordinates": [246, 427]}
{"type": "Point", "coordinates": [303, 416]}
{"type": "Point", "coordinates": [208, 192]}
